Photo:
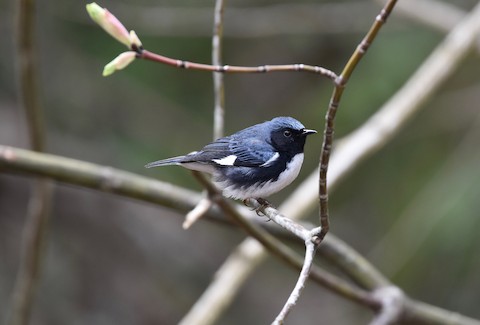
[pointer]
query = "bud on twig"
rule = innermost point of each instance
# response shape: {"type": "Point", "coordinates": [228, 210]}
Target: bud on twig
{"type": "Point", "coordinates": [120, 62]}
{"type": "Point", "coordinates": [109, 23]}
{"type": "Point", "coordinates": [134, 40]}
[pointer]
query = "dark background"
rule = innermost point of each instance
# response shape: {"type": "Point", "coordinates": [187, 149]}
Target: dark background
{"type": "Point", "coordinates": [411, 208]}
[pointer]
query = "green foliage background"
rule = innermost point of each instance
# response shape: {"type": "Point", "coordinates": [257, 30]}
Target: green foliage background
{"type": "Point", "coordinates": [411, 208]}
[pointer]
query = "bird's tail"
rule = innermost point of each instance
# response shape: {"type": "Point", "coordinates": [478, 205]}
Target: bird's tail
{"type": "Point", "coordinates": [165, 162]}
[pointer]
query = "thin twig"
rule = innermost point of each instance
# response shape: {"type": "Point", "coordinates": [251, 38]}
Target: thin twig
{"type": "Point", "coordinates": [33, 247]}
{"type": "Point", "coordinates": [311, 243]}
{"type": "Point", "coordinates": [147, 55]}
{"type": "Point", "coordinates": [28, 73]}
{"type": "Point", "coordinates": [38, 212]}
{"type": "Point", "coordinates": [310, 248]}
{"type": "Point", "coordinates": [197, 212]}
{"type": "Point", "coordinates": [219, 104]}
{"type": "Point", "coordinates": [341, 82]}
{"type": "Point", "coordinates": [218, 84]}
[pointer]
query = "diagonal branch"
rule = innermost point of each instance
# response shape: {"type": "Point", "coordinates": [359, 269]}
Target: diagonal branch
{"type": "Point", "coordinates": [340, 84]}
{"type": "Point", "coordinates": [311, 241]}
{"type": "Point", "coordinates": [310, 248]}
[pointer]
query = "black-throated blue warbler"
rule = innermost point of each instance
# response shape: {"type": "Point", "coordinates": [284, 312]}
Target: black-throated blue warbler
{"type": "Point", "coordinates": [252, 163]}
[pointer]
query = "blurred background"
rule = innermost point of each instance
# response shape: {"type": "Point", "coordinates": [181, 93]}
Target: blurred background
{"type": "Point", "coordinates": [411, 208]}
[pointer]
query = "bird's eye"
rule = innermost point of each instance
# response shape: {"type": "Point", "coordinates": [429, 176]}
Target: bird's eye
{"type": "Point", "coordinates": [287, 133]}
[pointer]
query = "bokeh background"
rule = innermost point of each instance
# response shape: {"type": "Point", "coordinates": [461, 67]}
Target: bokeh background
{"type": "Point", "coordinates": [412, 208]}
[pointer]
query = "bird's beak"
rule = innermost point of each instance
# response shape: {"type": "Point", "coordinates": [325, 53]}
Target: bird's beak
{"type": "Point", "coordinates": [307, 132]}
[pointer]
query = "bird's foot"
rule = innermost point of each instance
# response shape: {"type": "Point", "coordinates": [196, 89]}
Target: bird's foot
{"type": "Point", "coordinates": [263, 203]}
{"type": "Point", "coordinates": [258, 210]}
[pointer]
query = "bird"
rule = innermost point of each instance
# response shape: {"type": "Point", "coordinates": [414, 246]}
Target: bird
{"type": "Point", "coordinates": [255, 162]}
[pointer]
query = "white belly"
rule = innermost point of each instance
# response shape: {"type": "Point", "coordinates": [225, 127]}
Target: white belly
{"type": "Point", "coordinates": [265, 189]}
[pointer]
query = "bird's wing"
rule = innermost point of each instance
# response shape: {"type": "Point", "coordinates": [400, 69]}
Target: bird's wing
{"type": "Point", "coordinates": [230, 151]}
{"type": "Point", "coordinates": [253, 152]}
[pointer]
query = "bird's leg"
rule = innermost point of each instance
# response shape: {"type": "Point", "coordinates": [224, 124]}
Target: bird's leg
{"type": "Point", "coordinates": [245, 202]}
{"type": "Point", "coordinates": [263, 204]}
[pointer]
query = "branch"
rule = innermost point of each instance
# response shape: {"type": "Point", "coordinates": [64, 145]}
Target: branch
{"type": "Point", "coordinates": [104, 178]}
{"type": "Point", "coordinates": [329, 129]}
{"type": "Point", "coordinates": [115, 181]}
{"type": "Point", "coordinates": [108, 179]}
{"type": "Point", "coordinates": [218, 84]}
{"type": "Point", "coordinates": [147, 55]}
{"type": "Point", "coordinates": [28, 73]}
{"type": "Point", "coordinates": [219, 104]}
{"type": "Point", "coordinates": [197, 212]}
{"type": "Point", "coordinates": [136, 50]}
{"type": "Point", "coordinates": [310, 248]}
{"type": "Point", "coordinates": [311, 241]}
{"type": "Point", "coordinates": [274, 215]}
{"type": "Point", "coordinates": [32, 250]}
{"type": "Point", "coordinates": [393, 300]}
{"type": "Point", "coordinates": [36, 224]}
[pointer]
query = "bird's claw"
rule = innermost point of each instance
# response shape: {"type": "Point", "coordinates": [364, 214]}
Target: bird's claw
{"type": "Point", "coordinates": [258, 210]}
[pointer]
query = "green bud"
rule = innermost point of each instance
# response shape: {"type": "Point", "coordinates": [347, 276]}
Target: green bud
{"type": "Point", "coordinates": [109, 23]}
{"type": "Point", "coordinates": [120, 62]}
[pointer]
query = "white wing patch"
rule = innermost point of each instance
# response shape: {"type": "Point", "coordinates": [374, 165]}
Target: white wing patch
{"type": "Point", "coordinates": [226, 161]}
{"type": "Point", "coordinates": [270, 161]}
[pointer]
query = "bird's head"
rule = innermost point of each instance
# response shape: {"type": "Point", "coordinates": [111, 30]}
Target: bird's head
{"type": "Point", "coordinates": [288, 135]}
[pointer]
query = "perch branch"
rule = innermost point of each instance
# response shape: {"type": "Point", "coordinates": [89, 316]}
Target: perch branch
{"type": "Point", "coordinates": [107, 179]}
{"type": "Point", "coordinates": [311, 240]}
